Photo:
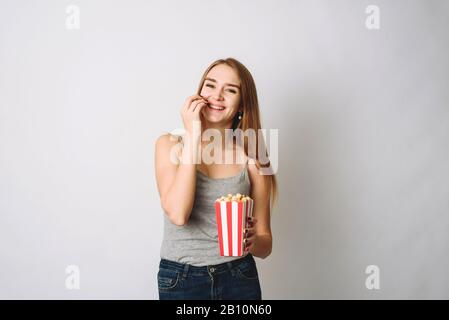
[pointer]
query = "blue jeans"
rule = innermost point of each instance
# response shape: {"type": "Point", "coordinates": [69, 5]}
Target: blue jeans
{"type": "Point", "coordinates": [237, 279]}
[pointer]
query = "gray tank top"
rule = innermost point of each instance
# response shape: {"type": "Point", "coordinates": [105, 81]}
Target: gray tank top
{"type": "Point", "coordinates": [196, 243]}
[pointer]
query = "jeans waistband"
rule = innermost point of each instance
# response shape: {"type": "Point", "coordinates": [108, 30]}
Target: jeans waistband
{"type": "Point", "coordinates": [217, 268]}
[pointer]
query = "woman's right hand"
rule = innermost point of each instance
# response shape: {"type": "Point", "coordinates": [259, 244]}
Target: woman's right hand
{"type": "Point", "coordinates": [190, 111]}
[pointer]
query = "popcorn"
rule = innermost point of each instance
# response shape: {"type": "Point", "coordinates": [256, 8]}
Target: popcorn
{"type": "Point", "coordinates": [232, 212]}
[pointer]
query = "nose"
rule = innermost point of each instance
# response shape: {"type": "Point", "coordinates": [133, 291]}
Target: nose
{"type": "Point", "coordinates": [216, 94]}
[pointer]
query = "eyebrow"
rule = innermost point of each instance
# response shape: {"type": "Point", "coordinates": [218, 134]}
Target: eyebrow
{"type": "Point", "coordinates": [228, 84]}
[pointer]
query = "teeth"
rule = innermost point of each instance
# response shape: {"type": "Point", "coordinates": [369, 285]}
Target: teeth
{"type": "Point", "coordinates": [216, 107]}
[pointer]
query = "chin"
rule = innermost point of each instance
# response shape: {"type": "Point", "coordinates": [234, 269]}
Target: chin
{"type": "Point", "coordinates": [213, 118]}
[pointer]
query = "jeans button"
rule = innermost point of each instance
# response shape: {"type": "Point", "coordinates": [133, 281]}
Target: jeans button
{"type": "Point", "coordinates": [212, 269]}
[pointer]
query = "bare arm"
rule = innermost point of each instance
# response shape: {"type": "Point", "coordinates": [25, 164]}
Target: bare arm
{"type": "Point", "coordinates": [176, 181]}
{"type": "Point", "coordinates": [259, 238]}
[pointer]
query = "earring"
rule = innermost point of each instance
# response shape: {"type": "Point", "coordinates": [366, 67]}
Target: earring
{"type": "Point", "coordinates": [240, 115]}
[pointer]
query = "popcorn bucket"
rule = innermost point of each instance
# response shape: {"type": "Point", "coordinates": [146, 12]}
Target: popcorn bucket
{"type": "Point", "coordinates": [231, 214]}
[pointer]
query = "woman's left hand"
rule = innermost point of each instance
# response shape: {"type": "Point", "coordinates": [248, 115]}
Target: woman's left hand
{"type": "Point", "coordinates": [249, 235]}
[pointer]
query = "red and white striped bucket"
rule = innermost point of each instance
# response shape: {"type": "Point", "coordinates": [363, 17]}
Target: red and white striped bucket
{"type": "Point", "coordinates": [231, 222]}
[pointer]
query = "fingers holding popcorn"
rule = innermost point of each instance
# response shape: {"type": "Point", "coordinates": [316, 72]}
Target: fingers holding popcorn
{"type": "Point", "coordinates": [249, 232]}
{"type": "Point", "coordinates": [249, 243]}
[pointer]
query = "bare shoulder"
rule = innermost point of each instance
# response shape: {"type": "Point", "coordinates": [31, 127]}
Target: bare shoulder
{"type": "Point", "coordinates": [167, 140]}
{"type": "Point", "coordinates": [167, 144]}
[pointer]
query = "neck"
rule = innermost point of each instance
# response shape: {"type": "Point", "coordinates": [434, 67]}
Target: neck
{"type": "Point", "coordinates": [221, 129]}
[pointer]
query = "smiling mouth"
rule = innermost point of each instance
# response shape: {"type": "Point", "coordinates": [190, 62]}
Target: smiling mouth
{"type": "Point", "coordinates": [215, 108]}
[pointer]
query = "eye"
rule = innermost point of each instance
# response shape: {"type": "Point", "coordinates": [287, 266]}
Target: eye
{"type": "Point", "coordinates": [232, 90]}
{"type": "Point", "coordinates": [209, 85]}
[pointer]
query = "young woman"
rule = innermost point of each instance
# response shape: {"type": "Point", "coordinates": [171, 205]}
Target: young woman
{"type": "Point", "coordinates": [191, 266]}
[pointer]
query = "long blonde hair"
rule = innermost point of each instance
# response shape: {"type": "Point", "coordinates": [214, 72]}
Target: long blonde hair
{"type": "Point", "coordinates": [251, 114]}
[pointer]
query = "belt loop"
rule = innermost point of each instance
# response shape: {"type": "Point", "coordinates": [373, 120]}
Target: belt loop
{"type": "Point", "coordinates": [186, 270]}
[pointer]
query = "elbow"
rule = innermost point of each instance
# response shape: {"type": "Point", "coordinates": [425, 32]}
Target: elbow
{"type": "Point", "coordinates": [267, 254]}
{"type": "Point", "coordinates": [266, 248]}
{"type": "Point", "coordinates": [262, 255]}
{"type": "Point", "coordinates": [177, 220]}
{"type": "Point", "coordinates": [176, 217]}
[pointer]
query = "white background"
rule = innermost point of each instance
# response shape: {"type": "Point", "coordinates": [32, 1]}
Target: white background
{"type": "Point", "coordinates": [363, 124]}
